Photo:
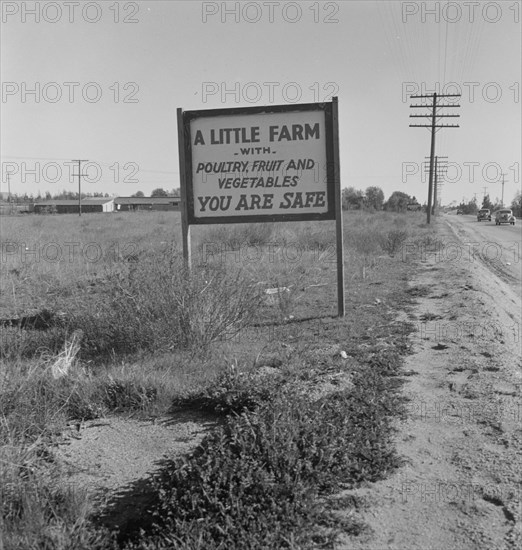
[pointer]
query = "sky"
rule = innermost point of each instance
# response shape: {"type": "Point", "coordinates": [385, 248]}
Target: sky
{"type": "Point", "coordinates": [101, 81]}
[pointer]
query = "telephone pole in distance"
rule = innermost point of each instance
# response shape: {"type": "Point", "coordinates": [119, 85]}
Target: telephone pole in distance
{"type": "Point", "coordinates": [79, 174]}
{"type": "Point", "coordinates": [503, 182]}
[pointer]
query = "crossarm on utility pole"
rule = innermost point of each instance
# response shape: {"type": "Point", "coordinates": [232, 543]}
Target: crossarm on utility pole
{"type": "Point", "coordinates": [433, 126]}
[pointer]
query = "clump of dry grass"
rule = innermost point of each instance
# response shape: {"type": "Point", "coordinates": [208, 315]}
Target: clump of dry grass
{"type": "Point", "coordinates": [232, 237]}
{"type": "Point", "coordinates": [152, 304]}
{"type": "Point", "coordinates": [37, 509]}
{"type": "Point", "coordinates": [393, 241]}
{"type": "Point", "coordinates": [62, 364]}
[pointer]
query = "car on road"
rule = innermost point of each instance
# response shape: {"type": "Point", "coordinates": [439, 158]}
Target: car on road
{"type": "Point", "coordinates": [459, 211]}
{"type": "Point", "coordinates": [484, 214]}
{"type": "Point", "coordinates": [505, 216]}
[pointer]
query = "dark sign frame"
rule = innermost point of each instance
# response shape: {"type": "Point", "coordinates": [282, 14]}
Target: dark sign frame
{"type": "Point", "coordinates": [185, 150]}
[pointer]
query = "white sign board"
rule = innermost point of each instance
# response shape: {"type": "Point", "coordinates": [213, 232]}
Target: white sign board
{"type": "Point", "coordinates": [259, 164]}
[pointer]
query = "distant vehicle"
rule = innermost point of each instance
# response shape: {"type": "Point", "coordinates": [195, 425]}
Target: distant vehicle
{"type": "Point", "coordinates": [484, 214]}
{"type": "Point", "coordinates": [459, 211]}
{"type": "Point", "coordinates": [505, 216]}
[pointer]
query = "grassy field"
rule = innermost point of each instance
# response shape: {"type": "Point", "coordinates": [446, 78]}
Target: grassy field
{"type": "Point", "coordinates": [128, 330]}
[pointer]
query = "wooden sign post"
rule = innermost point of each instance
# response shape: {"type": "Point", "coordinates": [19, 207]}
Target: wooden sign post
{"type": "Point", "coordinates": [261, 165]}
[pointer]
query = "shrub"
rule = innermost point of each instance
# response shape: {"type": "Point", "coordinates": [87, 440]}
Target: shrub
{"type": "Point", "coordinates": [364, 241]}
{"type": "Point", "coordinates": [233, 393]}
{"type": "Point", "coordinates": [125, 395]}
{"type": "Point", "coordinates": [247, 486]}
{"type": "Point", "coordinates": [393, 240]}
{"type": "Point", "coordinates": [150, 303]}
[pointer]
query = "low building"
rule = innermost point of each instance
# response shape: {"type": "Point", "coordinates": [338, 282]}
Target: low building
{"type": "Point", "coordinates": [11, 208]}
{"type": "Point", "coordinates": [71, 206]}
{"type": "Point", "coordinates": [134, 204]}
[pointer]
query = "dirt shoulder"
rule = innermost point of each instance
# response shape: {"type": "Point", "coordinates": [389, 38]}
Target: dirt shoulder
{"type": "Point", "coordinates": [461, 483]}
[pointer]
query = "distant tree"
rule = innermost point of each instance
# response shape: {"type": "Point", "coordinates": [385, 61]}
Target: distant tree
{"type": "Point", "coordinates": [374, 198]}
{"type": "Point", "coordinates": [159, 192]}
{"type": "Point", "coordinates": [497, 205]}
{"type": "Point", "coordinates": [48, 196]}
{"type": "Point", "coordinates": [516, 205]}
{"type": "Point", "coordinates": [486, 203]}
{"type": "Point", "coordinates": [352, 199]}
{"type": "Point", "coordinates": [67, 195]}
{"type": "Point", "coordinates": [175, 192]}
{"type": "Point", "coordinates": [398, 202]}
{"type": "Point", "coordinates": [141, 194]}
{"type": "Point", "coordinates": [470, 207]}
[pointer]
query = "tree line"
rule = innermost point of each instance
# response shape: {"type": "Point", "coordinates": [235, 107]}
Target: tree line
{"type": "Point", "coordinates": [73, 195]}
{"type": "Point", "coordinates": [472, 206]}
{"type": "Point", "coordinates": [373, 199]}
{"type": "Point", "coordinates": [352, 199]}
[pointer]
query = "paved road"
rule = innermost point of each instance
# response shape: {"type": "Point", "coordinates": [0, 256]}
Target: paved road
{"type": "Point", "coordinates": [498, 246]}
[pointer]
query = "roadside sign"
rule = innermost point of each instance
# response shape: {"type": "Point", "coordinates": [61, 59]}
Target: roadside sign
{"type": "Point", "coordinates": [260, 164]}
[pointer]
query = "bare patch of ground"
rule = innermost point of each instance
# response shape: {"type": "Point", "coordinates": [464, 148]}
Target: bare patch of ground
{"type": "Point", "coordinates": [113, 460]}
{"type": "Point", "coordinates": [108, 453]}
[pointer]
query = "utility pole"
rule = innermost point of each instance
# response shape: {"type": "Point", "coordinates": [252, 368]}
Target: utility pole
{"type": "Point", "coordinates": [502, 201]}
{"type": "Point", "coordinates": [8, 187]}
{"type": "Point", "coordinates": [433, 126]}
{"type": "Point", "coordinates": [440, 170]}
{"type": "Point", "coordinates": [79, 174]}
{"type": "Point", "coordinates": [438, 188]}
{"type": "Point", "coordinates": [10, 208]}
